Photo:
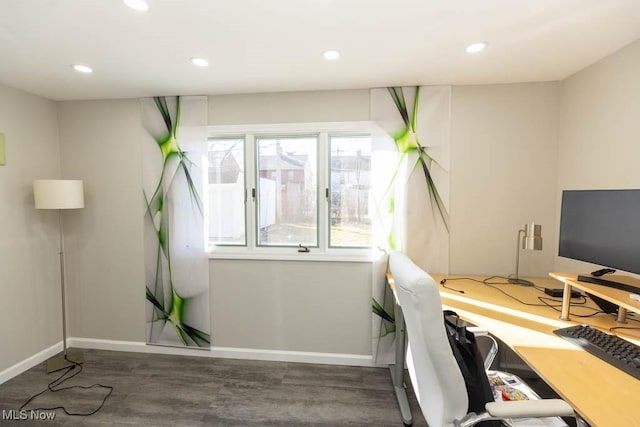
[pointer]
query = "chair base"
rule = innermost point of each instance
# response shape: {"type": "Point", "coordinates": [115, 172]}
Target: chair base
{"type": "Point", "coordinates": [71, 358]}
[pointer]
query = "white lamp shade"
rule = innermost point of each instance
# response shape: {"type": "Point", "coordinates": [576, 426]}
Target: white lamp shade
{"type": "Point", "coordinates": [58, 194]}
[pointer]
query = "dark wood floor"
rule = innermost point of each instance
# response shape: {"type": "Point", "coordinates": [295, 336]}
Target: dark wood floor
{"type": "Point", "coordinates": [161, 390]}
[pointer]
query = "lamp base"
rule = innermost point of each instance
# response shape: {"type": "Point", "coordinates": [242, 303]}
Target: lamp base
{"type": "Point", "coordinates": [521, 282]}
{"type": "Point", "coordinates": [63, 361]}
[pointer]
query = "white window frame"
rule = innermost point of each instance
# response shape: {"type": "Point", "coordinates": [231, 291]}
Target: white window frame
{"type": "Point", "coordinates": [321, 253]}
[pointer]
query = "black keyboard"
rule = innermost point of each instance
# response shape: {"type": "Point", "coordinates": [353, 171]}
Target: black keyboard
{"type": "Point", "coordinates": [614, 350]}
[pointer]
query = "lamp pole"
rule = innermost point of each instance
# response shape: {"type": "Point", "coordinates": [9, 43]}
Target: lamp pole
{"type": "Point", "coordinates": [67, 358]}
{"type": "Point", "coordinates": [60, 194]}
{"type": "Point", "coordinates": [516, 280]}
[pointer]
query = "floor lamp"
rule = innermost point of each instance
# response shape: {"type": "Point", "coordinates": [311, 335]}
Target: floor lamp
{"type": "Point", "coordinates": [532, 240]}
{"type": "Point", "coordinates": [60, 194]}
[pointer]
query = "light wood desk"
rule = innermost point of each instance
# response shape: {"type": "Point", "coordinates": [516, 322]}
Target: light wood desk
{"type": "Point", "coordinates": [603, 395]}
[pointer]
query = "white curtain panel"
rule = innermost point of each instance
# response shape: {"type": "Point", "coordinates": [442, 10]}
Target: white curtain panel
{"type": "Point", "coordinates": [176, 274]}
{"type": "Point", "coordinates": [411, 162]}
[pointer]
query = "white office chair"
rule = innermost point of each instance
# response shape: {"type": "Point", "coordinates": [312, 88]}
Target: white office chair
{"type": "Point", "coordinates": [436, 378]}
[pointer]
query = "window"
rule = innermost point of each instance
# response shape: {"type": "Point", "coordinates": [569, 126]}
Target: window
{"type": "Point", "coordinates": [287, 191]}
{"type": "Point", "coordinates": [226, 192]}
{"type": "Point", "coordinates": [303, 185]}
{"type": "Point", "coordinates": [350, 220]}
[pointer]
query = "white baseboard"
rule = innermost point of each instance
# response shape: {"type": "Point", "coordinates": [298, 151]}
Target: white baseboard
{"type": "Point", "coordinates": [227, 352]}
{"type": "Point", "coordinates": [293, 356]}
{"type": "Point", "coordinates": [30, 362]}
{"type": "Point", "coordinates": [221, 352]}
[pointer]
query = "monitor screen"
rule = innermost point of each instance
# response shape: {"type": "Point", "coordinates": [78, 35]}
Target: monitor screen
{"type": "Point", "coordinates": [601, 227]}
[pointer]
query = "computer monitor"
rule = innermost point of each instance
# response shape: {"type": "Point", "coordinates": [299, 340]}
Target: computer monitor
{"type": "Point", "coordinates": [602, 227]}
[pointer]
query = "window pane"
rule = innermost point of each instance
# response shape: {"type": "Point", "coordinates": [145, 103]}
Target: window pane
{"type": "Point", "coordinates": [287, 191]}
{"type": "Point", "coordinates": [226, 192]}
{"type": "Point", "coordinates": [350, 214]}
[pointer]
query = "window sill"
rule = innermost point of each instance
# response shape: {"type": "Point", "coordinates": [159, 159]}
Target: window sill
{"type": "Point", "coordinates": [280, 254]}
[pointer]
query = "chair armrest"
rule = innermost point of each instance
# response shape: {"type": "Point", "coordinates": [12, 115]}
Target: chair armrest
{"type": "Point", "coordinates": [520, 409]}
{"type": "Point", "coordinates": [477, 331]}
{"type": "Point", "coordinates": [493, 350]}
{"type": "Point", "coordinates": [530, 409]}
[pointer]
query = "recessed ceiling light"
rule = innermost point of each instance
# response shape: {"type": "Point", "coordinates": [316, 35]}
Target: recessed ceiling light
{"type": "Point", "coordinates": [139, 5]}
{"type": "Point", "coordinates": [476, 47]}
{"type": "Point", "coordinates": [331, 55]}
{"type": "Point", "coordinates": [200, 62]}
{"type": "Point", "coordinates": [82, 68]}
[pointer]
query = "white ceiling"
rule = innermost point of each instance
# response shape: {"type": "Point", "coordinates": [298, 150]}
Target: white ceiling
{"type": "Point", "coordinates": [276, 45]}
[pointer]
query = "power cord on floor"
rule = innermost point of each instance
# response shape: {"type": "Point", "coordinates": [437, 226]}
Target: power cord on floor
{"type": "Point", "coordinates": [54, 387]}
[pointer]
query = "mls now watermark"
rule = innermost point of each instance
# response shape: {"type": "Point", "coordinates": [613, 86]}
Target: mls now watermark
{"type": "Point", "coordinates": [31, 415]}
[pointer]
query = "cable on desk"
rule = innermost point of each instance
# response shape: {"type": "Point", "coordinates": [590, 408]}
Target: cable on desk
{"type": "Point", "coordinates": [633, 319]}
{"type": "Point", "coordinates": [543, 303]}
{"type": "Point", "coordinates": [626, 327]}
{"type": "Point", "coordinates": [555, 306]}
{"type": "Point", "coordinates": [443, 283]}
{"type": "Point", "coordinates": [631, 328]}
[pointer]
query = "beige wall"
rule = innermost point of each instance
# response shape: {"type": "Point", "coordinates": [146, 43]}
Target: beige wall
{"type": "Point", "coordinates": [30, 312]}
{"type": "Point", "coordinates": [100, 143]}
{"type": "Point", "coordinates": [292, 305]}
{"type": "Point", "coordinates": [599, 144]}
{"type": "Point", "coordinates": [503, 172]}
{"type": "Point", "coordinates": [289, 107]}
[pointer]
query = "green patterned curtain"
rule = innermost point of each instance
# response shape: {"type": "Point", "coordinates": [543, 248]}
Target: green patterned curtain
{"type": "Point", "coordinates": [176, 264]}
{"type": "Point", "coordinates": [412, 133]}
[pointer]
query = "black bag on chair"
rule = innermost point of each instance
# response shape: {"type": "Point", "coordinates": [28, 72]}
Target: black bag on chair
{"type": "Point", "coordinates": [465, 350]}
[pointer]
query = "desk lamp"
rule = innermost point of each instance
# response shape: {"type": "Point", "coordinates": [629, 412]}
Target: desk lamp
{"type": "Point", "coordinates": [60, 194]}
{"type": "Point", "coordinates": [531, 240]}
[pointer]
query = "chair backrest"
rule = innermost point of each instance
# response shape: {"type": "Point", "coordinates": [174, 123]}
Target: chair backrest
{"type": "Point", "coordinates": [436, 378]}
